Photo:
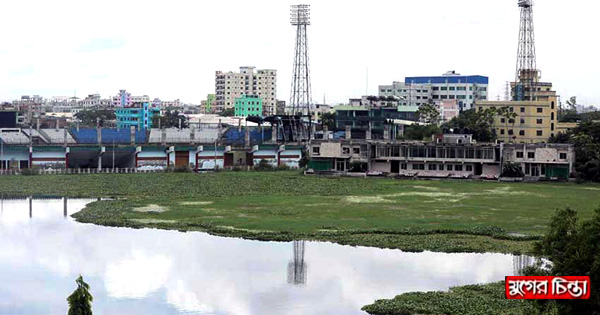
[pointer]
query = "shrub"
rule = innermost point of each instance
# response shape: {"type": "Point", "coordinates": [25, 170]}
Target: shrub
{"type": "Point", "coordinates": [263, 165]}
{"type": "Point", "coordinates": [512, 169]}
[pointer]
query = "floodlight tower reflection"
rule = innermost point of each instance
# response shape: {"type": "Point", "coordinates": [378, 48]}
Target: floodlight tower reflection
{"type": "Point", "coordinates": [297, 268]}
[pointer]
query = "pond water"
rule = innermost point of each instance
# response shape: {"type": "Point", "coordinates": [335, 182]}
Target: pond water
{"type": "Point", "coordinates": [43, 250]}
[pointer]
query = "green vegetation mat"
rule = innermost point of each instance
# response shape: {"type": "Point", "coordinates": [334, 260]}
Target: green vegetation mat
{"type": "Point", "coordinates": [446, 216]}
{"type": "Point", "coordinates": [485, 299]}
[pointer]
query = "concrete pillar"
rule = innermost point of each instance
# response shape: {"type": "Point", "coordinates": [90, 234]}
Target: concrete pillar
{"type": "Point", "coordinates": [386, 132]}
{"type": "Point", "coordinates": [100, 162]}
{"type": "Point", "coordinates": [313, 130]}
{"type": "Point", "coordinates": [192, 135]}
{"type": "Point", "coordinates": [348, 132]}
{"type": "Point", "coordinates": [274, 133]}
{"type": "Point", "coordinates": [57, 124]}
{"type": "Point", "coordinates": [37, 124]}
{"type": "Point", "coordinates": [132, 135]}
{"type": "Point", "coordinates": [247, 136]}
{"type": "Point", "coordinates": [77, 126]}
{"type": "Point", "coordinates": [325, 132]}
{"type": "Point", "coordinates": [179, 123]}
{"type": "Point", "coordinates": [65, 137]}
{"type": "Point", "coordinates": [163, 136]}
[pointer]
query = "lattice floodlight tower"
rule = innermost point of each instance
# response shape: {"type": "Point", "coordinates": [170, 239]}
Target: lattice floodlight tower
{"type": "Point", "coordinates": [300, 100]}
{"type": "Point", "coordinates": [527, 74]}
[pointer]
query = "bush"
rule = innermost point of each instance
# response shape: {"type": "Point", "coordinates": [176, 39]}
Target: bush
{"type": "Point", "coordinates": [263, 165]}
{"type": "Point", "coordinates": [358, 167]}
{"type": "Point", "coordinates": [512, 169]}
{"type": "Point", "coordinates": [29, 171]}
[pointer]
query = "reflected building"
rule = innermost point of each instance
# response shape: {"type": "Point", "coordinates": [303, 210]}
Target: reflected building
{"type": "Point", "coordinates": [297, 268]}
{"type": "Point", "coordinates": [521, 262]}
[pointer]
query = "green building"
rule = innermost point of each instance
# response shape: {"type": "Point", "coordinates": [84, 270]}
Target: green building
{"type": "Point", "coordinates": [140, 116]}
{"type": "Point", "coordinates": [248, 105]}
{"type": "Point", "coordinates": [208, 103]}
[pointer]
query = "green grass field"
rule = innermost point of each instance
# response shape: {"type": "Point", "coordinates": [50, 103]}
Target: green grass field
{"type": "Point", "coordinates": [412, 215]}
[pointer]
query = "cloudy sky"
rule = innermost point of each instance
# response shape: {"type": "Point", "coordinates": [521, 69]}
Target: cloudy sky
{"type": "Point", "coordinates": [171, 49]}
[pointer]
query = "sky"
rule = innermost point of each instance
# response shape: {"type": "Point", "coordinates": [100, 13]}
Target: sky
{"type": "Point", "coordinates": [171, 49]}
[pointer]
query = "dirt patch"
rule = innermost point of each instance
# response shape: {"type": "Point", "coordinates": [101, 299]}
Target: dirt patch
{"type": "Point", "coordinates": [196, 203]}
{"type": "Point", "coordinates": [151, 209]}
{"type": "Point", "coordinates": [367, 199]}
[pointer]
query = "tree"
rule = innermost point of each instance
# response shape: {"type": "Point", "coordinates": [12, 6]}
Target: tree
{"type": "Point", "coordinates": [511, 169]}
{"type": "Point", "coordinates": [477, 123]}
{"type": "Point", "coordinates": [586, 140]}
{"type": "Point", "coordinates": [421, 132]}
{"type": "Point", "coordinates": [227, 112]}
{"type": "Point", "coordinates": [89, 117]}
{"type": "Point", "coordinates": [170, 120]}
{"type": "Point", "coordinates": [328, 119]}
{"type": "Point", "coordinates": [428, 113]}
{"type": "Point", "coordinates": [80, 301]}
{"type": "Point", "coordinates": [574, 250]}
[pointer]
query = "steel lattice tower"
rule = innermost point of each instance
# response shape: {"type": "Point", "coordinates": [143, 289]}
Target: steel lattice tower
{"type": "Point", "coordinates": [526, 74]}
{"type": "Point", "coordinates": [300, 100]}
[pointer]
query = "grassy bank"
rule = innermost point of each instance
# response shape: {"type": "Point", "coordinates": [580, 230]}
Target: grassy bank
{"type": "Point", "coordinates": [448, 216]}
{"type": "Point", "coordinates": [466, 300]}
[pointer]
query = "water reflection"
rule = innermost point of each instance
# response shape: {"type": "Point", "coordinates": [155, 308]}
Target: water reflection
{"type": "Point", "coordinates": [297, 268]}
{"type": "Point", "coordinates": [167, 272]}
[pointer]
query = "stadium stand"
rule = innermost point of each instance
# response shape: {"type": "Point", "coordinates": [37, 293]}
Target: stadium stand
{"type": "Point", "coordinates": [56, 136]}
{"type": "Point", "coordinates": [13, 136]}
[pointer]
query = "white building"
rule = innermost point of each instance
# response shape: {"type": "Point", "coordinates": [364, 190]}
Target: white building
{"type": "Point", "coordinates": [231, 85]}
{"type": "Point", "coordinates": [450, 86]}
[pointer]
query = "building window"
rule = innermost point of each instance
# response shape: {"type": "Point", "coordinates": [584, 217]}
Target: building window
{"type": "Point", "coordinates": [449, 167]}
{"type": "Point", "coordinates": [403, 166]}
{"type": "Point", "coordinates": [444, 88]}
{"type": "Point", "coordinates": [458, 168]}
{"type": "Point", "coordinates": [345, 150]}
{"type": "Point", "coordinates": [469, 168]}
{"type": "Point", "coordinates": [316, 150]}
{"type": "Point", "coordinates": [522, 121]}
{"type": "Point", "coordinates": [452, 88]}
{"type": "Point", "coordinates": [539, 121]}
{"type": "Point", "coordinates": [540, 110]}
{"type": "Point", "coordinates": [519, 154]}
{"type": "Point", "coordinates": [435, 88]}
{"type": "Point", "coordinates": [522, 109]}
{"type": "Point", "coordinates": [501, 131]}
{"type": "Point", "coordinates": [563, 156]}
{"type": "Point", "coordinates": [356, 150]}
{"type": "Point", "coordinates": [540, 133]}
{"type": "Point", "coordinates": [511, 132]}
{"type": "Point", "coordinates": [521, 132]}
{"type": "Point", "coordinates": [432, 167]}
{"type": "Point", "coordinates": [531, 155]}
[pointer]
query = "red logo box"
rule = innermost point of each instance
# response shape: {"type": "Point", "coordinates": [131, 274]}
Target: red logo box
{"type": "Point", "coordinates": [547, 288]}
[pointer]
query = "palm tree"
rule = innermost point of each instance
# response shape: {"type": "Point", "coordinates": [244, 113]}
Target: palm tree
{"type": "Point", "coordinates": [80, 301]}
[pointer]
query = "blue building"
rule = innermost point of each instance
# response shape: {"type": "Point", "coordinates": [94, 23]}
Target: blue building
{"type": "Point", "coordinates": [139, 115]}
{"type": "Point", "coordinates": [451, 87]}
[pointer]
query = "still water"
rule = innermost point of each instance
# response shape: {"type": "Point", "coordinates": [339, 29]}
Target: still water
{"type": "Point", "coordinates": [42, 251]}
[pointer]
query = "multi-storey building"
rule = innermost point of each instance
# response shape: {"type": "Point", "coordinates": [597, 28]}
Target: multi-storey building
{"type": "Point", "coordinates": [138, 115]}
{"type": "Point", "coordinates": [535, 114]}
{"type": "Point", "coordinates": [416, 91]}
{"type": "Point", "coordinates": [446, 156]}
{"type": "Point", "coordinates": [232, 85]}
{"type": "Point", "coordinates": [95, 101]}
{"type": "Point", "coordinates": [248, 105]}
{"type": "Point", "coordinates": [123, 99]}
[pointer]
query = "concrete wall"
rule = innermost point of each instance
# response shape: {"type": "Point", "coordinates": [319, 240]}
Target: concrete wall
{"type": "Point", "coordinates": [290, 158]}
{"type": "Point", "coordinates": [206, 159]}
{"type": "Point", "coordinates": [385, 167]}
{"type": "Point", "coordinates": [268, 155]}
{"type": "Point", "coordinates": [331, 149]}
{"type": "Point", "coordinates": [491, 169]}
{"type": "Point", "coordinates": [50, 159]}
{"type": "Point", "coordinates": [152, 158]}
